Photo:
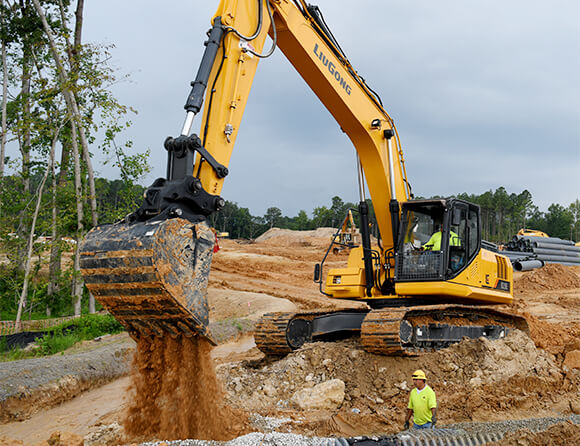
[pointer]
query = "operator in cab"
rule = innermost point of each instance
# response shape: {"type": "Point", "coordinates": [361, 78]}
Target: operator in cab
{"type": "Point", "coordinates": [434, 243]}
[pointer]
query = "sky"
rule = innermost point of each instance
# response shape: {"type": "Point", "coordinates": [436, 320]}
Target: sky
{"type": "Point", "coordinates": [484, 94]}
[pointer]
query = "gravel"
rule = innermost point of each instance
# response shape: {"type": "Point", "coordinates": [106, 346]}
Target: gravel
{"type": "Point", "coordinates": [101, 363]}
{"type": "Point", "coordinates": [268, 424]}
{"type": "Point", "coordinates": [253, 439]}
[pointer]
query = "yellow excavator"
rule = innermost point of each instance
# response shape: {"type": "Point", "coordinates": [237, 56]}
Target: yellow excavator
{"type": "Point", "coordinates": [347, 236]}
{"type": "Point", "coordinates": [532, 232]}
{"type": "Point", "coordinates": [427, 283]}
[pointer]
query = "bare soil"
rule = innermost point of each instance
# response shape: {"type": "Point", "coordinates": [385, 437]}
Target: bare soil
{"type": "Point", "coordinates": [476, 380]}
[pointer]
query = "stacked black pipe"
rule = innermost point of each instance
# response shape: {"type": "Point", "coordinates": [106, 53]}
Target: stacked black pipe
{"type": "Point", "coordinates": [532, 250]}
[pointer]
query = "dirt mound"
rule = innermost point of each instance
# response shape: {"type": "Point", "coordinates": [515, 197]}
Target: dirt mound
{"type": "Point", "coordinates": [554, 338]}
{"type": "Point", "coordinates": [552, 276]}
{"type": "Point", "coordinates": [557, 435]}
{"type": "Point", "coordinates": [474, 380]}
{"type": "Point", "coordinates": [288, 237]}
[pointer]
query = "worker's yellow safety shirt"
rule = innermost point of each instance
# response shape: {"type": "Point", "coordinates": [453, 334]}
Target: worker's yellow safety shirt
{"type": "Point", "coordinates": [434, 242]}
{"type": "Point", "coordinates": [421, 404]}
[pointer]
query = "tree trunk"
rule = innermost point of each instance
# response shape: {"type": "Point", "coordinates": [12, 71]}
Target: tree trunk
{"type": "Point", "coordinates": [4, 104]}
{"type": "Point", "coordinates": [55, 249]}
{"type": "Point", "coordinates": [87, 156]}
{"type": "Point", "coordinates": [73, 53]}
{"type": "Point", "coordinates": [55, 253]}
{"type": "Point", "coordinates": [25, 141]}
{"type": "Point", "coordinates": [24, 293]}
{"type": "Point", "coordinates": [25, 95]}
{"type": "Point", "coordinates": [76, 124]}
{"type": "Point", "coordinates": [77, 280]}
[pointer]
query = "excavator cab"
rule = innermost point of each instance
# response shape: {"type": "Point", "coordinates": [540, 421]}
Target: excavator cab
{"type": "Point", "coordinates": [438, 239]}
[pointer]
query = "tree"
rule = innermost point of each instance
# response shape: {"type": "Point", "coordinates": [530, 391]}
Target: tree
{"type": "Point", "coordinates": [50, 81]}
{"type": "Point", "coordinates": [31, 236]}
{"type": "Point", "coordinates": [559, 220]}
{"type": "Point", "coordinates": [301, 222]}
{"type": "Point", "coordinates": [337, 211]}
{"type": "Point", "coordinates": [321, 217]}
{"type": "Point", "coordinates": [272, 216]}
{"type": "Point", "coordinates": [574, 209]}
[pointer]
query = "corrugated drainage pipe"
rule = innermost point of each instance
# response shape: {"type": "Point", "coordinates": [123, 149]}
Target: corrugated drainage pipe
{"type": "Point", "coordinates": [557, 252]}
{"type": "Point", "coordinates": [427, 437]}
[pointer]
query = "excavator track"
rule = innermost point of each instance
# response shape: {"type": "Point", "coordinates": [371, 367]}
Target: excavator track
{"type": "Point", "coordinates": [152, 276]}
{"type": "Point", "coordinates": [406, 331]}
{"type": "Point", "coordinates": [278, 334]}
{"type": "Point", "coordinates": [380, 332]}
{"type": "Point", "coordinates": [270, 335]}
{"type": "Point", "coordinates": [412, 330]}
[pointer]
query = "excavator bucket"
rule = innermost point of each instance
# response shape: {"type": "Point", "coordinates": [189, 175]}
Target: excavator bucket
{"type": "Point", "coordinates": [151, 276]}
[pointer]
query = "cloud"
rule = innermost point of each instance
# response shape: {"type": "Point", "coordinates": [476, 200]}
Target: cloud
{"type": "Point", "coordinates": [488, 92]}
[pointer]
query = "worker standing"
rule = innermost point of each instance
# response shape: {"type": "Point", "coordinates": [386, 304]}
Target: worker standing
{"type": "Point", "coordinates": [422, 404]}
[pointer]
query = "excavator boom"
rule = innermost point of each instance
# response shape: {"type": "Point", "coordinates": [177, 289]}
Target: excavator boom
{"type": "Point", "coordinates": [150, 270]}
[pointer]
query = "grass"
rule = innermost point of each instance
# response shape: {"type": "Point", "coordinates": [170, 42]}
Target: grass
{"type": "Point", "coordinates": [64, 336]}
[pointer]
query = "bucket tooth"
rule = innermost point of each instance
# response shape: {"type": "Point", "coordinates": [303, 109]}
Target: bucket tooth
{"type": "Point", "coordinates": [173, 332]}
{"type": "Point", "coordinates": [152, 276]}
{"type": "Point", "coordinates": [185, 329]}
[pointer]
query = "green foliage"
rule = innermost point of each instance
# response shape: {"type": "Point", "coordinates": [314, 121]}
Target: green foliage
{"type": "Point", "coordinates": [84, 328]}
{"type": "Point", "coordinates": [272, 216]}
{"type": "Point", "coordinates": [503, 214]}
{"type": "Point", "coordinates": [117, 198]}
{"type": "Point", "coordinates": [93, 325]}
{"type": "Point", "coordinates": [64, 336]}
{"type": "Point", "coordinates": [57, 342]}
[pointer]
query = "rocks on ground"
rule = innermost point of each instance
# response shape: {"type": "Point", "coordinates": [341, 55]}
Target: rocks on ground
{"type": "Point", "coordinates": [474, 380]}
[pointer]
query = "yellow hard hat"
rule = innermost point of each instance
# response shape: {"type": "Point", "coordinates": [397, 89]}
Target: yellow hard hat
{"type": "Point", "coordinates": [419, 374]}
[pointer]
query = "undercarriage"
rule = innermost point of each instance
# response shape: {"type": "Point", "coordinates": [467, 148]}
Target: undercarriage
{"type": "Point", "coordinates": [389, 331]}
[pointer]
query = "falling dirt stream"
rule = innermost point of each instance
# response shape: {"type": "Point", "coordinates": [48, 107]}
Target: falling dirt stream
{"type": "Point", "coordinates": [175, 393]}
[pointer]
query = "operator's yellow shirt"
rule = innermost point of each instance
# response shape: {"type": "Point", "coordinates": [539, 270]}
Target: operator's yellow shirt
{"type": "Point", "coordinates": [421, 404]}
{"type": "Point", "coordinates": [434, 242]}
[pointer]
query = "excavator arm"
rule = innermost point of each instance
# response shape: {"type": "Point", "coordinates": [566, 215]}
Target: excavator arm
{"type": "Point", "coordinates": [150, 270]}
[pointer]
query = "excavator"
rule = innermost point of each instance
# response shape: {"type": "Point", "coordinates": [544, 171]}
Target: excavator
{"type": "Point", "coordinates": [347, 236]}
{"type": "Point", "coordinates": [425, 284]}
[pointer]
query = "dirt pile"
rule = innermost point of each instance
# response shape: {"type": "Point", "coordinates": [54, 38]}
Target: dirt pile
{"type": "Point", "coordinates": [175, 393]}
{"type": "Point", "coordinates": [554, 338]}
{"type": "Point", "coordinates": [557, 435]}
{"type": "Point", "coordinates": [552, 276]}
{"type": "Point", "coordinates": [475, 379]}
{"type": "Point", "coordinates": [549, 299]}
{"type": "Point", "coordinates": [288, 237]}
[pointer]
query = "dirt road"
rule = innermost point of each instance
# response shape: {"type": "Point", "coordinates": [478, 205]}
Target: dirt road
{"type": "Point", "coordinates": [475, 381]}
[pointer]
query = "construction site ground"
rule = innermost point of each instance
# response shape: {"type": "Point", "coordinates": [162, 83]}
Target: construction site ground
{"type": "Point", "coordinates": [82, 394]}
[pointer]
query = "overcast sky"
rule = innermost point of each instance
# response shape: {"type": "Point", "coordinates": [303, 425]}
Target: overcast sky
{"type": "Point", "coordinates": [484, 94]}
